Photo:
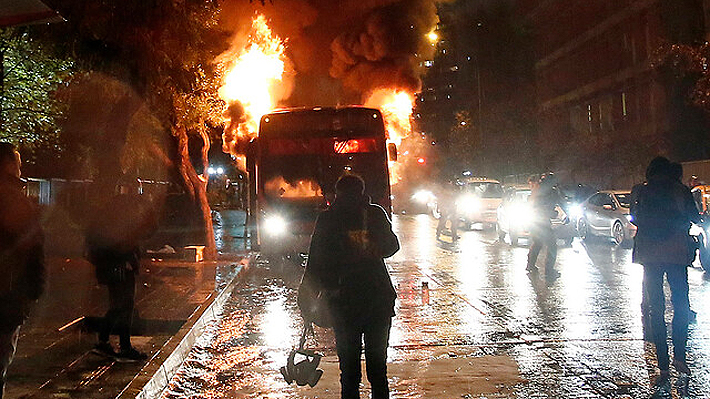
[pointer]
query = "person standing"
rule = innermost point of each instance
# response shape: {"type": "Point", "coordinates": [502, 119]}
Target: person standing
{"type": "Point", "coordinates": [544, 200]}
{"type": "Point", "coordinates": [663, 209]}
{"type": "Point", "coordinates": [112, 241]}
{"type": "Point", "coordinates": [21, 256]}
{"type": "Point", "coordinates": [446, 202]}
{"type": "Point", "coordinates": [346, 263]}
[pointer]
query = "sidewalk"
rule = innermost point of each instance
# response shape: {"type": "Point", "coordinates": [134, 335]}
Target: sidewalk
{"type": "Point", "coordinates": [53, 357]}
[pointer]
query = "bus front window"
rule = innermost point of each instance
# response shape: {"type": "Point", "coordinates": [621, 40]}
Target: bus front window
{"type": "Point", "coordinates": [278, 187]}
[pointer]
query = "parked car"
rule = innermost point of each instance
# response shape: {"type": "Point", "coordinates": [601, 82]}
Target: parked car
{"type": "Point", "coordinates": [606, 214]}
{"type": "Point", "coordinates": [515, 215]}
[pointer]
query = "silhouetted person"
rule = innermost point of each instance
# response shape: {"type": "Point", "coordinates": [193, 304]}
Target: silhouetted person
{"type": "Point", "coordinates": [543, 199]}
{"type": "Point", "coordinates": [663, 209]}
{"type": "Point", "coordinates": [113, 248]}
{"type": "Point", "coordinates": [446, 202]}
{"type": "Point", "coordinates": [346, 262]}
{"type": "Point", "coordinates": [21, 256]}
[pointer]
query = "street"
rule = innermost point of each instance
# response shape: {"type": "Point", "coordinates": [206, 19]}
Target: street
{"type": "Point", "coordinates": [470, 323]}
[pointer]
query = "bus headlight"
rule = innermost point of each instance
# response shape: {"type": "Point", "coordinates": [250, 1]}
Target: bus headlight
{"type": "Point", "coordinates": [522, 214]}
{"type": "Point", "coordinates": [423, 196]}
{"type": "Point", "coordinates": [275, 225]}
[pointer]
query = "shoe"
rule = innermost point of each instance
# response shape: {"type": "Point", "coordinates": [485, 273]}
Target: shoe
{"type": "Point", "coordinates": [531, 268]}
{"type": "Point", "coordinates": [104, 349]}
{"type": "Point", "coordinates": [662, 387]}
{"type": "Point", "coordinates": [682, 385]}
{"type": "Point", "coordinates": [130, 356]}
{"type": "Point", "coordinates": [681, 367]}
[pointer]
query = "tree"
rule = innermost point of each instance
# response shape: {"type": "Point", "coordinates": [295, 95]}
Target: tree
{"type": "Point", "coordinates": [31, 75]}
{"type": "Point", "coordinates": [164, 50]}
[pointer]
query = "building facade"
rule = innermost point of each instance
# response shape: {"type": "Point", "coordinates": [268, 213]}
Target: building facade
{"type": "Point", "coordinates": [604, 105]}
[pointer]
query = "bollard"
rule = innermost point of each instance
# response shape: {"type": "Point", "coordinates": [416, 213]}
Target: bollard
{"type": "Point", "coordinates": [425, 292]}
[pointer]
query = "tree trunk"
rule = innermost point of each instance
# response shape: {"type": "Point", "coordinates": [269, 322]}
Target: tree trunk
{"type": "Point", "coordinates": [197, 185]}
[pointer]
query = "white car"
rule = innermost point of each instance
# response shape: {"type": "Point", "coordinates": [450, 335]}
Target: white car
{"type": "Point", "coordinates": [607, 214]}
{"type": "Point", "coordinates": [479, 201]}
{"type": "Point", "coordinates": [515, 215]}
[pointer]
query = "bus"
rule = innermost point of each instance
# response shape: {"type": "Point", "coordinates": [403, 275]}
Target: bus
{"type": "Point", "coordinates": [298, 156]}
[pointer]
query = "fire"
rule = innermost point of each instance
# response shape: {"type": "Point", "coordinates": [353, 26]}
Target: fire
{"type": "Point", "coordinates": [279, 187]}
{"type": "Point", "coordinates": [253, 79]}
{"type": "Point", "coordinates": [396, 107]}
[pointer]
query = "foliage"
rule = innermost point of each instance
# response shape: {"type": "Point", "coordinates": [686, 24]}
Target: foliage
{"type": "Point", "coordinates": [32, 75]}
{"type": "Point", "coordinates": [688, 62]}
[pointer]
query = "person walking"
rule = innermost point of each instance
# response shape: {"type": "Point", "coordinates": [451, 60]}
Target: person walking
{"type": "Point", "coordinates": [446, 202]}
{"type": "Point", "coordinates": [112, 241]}
{"type": "Point", "coordinates": [663, 209]}
{"type": "Point", "coordinates": [346, 263]}
{"type": "Point", "coordinates": [544, 200]}
{"type": "Point", "coordinates": [21, 256]}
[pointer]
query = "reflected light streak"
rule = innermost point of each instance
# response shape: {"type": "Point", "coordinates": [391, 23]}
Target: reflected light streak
{"type": "Point", "coordinates": [278, 330]}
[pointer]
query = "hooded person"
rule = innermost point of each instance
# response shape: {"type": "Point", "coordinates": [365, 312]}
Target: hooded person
{"type": "Point", "coordinates": [346, 263]}
{"type": "Point", "coordinates": [21, 256]}
{"type": "Point", "coordinates": [663, 209]}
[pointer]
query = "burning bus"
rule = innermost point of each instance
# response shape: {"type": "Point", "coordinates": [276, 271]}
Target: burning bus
{"type": "Point", "coordinates": [296, 160]}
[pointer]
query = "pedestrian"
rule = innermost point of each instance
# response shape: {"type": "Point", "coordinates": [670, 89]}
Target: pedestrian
{"type": "Point", "coordinates": [21, 256]}
{"type": "Point", "coordinates": [544, 200]}
{"type": "Point", "coordinates": [663, 209]}
{"type": "Point", "coordinates": [346, 262]}
{"type": "Point", "coordinates": [446, 204]}
{"type": "Point", "coordinates": [112, 241]}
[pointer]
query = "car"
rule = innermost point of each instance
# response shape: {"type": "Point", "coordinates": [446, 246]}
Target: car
{"type": "Point", "coordinates": [478, 201]}
{"type": "Point", "coordinates": [607, 214]}
{"type": "Point", "coordinates": [412, 201]}
{"type": "Point", "coordinates": [514, 216]}
{"type": "Point", "coordinates": [699, 232]}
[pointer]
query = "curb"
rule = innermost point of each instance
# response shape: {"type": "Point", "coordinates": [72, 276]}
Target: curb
{"type": "Point", "coordinates": [154, 377]}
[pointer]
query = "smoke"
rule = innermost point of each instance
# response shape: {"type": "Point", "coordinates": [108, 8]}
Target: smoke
{"type": "Point", "coordinates": [343, 50]}
{"type": "Point", "coordinates": [385, 49]}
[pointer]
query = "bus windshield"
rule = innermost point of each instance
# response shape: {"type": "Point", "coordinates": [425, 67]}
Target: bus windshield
{"type": "Point", "coordinates": [302, 154]}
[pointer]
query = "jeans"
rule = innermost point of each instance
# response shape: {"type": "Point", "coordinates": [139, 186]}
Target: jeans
{"type": "Point", "coordinates": [119, 318]}
{"type": "Point", "coordinates": [8, 345]}
{"type": "Point", "coordinates": [655, 306]}
{"type": "Point", "coordinates": [543, 236]}
{"type": "Point", "coordinates": [348, 341]}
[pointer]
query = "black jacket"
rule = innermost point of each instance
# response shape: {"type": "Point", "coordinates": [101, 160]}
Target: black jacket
{"type": "Point", "coordinates": [21, 254]}
{"type": "Point", "coordinates": [663, 209]}
{"type": "Point", "coordinates": [346, 260]}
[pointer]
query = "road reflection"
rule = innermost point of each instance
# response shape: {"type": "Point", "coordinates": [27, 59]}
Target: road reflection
{"type": "Point", "coordinates": [577, 336]}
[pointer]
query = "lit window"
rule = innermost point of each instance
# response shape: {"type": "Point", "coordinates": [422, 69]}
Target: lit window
{"type": "Point", "coordinates": [428, 63]}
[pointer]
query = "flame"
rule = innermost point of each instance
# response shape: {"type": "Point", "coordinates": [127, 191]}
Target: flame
{"type": "Point", "coordinates": [396, 107]}
{"type": "Point", "coordinates": [252, 81]}
{"type": "Point", "coordinates": [279, 187]}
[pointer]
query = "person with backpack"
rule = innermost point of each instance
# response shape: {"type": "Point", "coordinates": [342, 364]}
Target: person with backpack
{"type": "Point", "coordinates": [663, 209]}
{"type": "Point", "coordinates": [346, 265]}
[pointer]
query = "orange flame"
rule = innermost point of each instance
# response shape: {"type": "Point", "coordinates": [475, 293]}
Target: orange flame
{"type": "Point", "coordinates": [252, 80]}
{"type": "Point", "coordinates": [396, 107]}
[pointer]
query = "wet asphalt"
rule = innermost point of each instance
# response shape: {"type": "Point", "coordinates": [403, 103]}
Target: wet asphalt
{"type": "Point", "coordinates": [471, 322]}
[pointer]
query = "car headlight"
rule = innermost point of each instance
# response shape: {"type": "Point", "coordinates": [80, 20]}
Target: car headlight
{"type": "Point", "coordinates": [468, 203]}
{"type": "Point", "coordinates": [629, 218]}
{"type": "Point", "coordinates": [522, 213]}
{"type": "Point", "coordinates": [423, 196]}
{"type": "Point", "coordinates": [575, 211]}
{"type": "Point", "coordinates": [275, 225]}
